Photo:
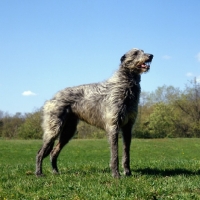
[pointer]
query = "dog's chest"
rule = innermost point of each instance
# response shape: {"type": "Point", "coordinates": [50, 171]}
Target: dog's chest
{"type": "Point", "coordinates": [129, 106]}
{"type": "Point", "coordinates": [131, 97]}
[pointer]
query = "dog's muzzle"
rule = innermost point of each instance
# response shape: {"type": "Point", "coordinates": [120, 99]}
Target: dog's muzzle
{"type": "Point", "coordinates": [147, 63]}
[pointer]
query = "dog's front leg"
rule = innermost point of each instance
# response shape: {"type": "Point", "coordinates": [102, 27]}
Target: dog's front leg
{"type": "Point", "coordinates": [126, 135]}
{"type": "Point", "coordinates": [114, 163]}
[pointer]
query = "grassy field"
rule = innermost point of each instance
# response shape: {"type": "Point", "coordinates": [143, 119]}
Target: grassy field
{"type": "Point", "coordinates": [162, 169]}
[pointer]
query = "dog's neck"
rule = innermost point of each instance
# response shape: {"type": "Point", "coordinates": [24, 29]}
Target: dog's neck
{"type": "Point", "coordinates": [130, 76]}
{"type": "Point", "coordinates": [125, 76]}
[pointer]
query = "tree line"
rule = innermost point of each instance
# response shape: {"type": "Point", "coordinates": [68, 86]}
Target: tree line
{"type": "Point", "coordinates": [166, 112]}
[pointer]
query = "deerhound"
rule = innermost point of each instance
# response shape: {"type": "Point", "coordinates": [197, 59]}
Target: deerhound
{"type": "Point", "coordinates": [111, 105]}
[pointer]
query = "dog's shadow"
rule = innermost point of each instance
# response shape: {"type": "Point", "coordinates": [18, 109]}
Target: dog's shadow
{"type": "Point", "coordinates": [165, 172]}
{"type": "Point", "coordinates": [135, 172]}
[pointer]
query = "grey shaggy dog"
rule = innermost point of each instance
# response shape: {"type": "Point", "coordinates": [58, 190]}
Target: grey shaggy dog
{"type": "Point", "coordinates": [111, 105]}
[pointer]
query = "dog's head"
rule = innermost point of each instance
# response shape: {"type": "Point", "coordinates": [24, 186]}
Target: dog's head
{"type": "Point", "coordinates": [136, 61]}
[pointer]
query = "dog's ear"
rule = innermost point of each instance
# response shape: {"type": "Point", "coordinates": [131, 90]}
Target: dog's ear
{"type": "Point", "coordinates": [123, 58]}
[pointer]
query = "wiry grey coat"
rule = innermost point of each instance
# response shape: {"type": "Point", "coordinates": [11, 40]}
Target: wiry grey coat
{"type": "Point", "coordinates": [111, 105]}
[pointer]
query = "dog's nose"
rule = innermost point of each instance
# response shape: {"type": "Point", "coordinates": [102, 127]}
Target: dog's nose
{"type": "Point", "coordinates": [150, 56]}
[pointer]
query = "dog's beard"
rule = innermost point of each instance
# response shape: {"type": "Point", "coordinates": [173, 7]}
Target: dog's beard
{"type": "Point", "coordinates": [145, 65]}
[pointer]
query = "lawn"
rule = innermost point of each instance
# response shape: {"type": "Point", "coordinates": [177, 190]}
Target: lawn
{"type": "Point", "coordinates": [162, 169]}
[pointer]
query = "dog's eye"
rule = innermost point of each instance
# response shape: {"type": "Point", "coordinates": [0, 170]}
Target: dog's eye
{"type": "Point", "coordinates": [136, 53]}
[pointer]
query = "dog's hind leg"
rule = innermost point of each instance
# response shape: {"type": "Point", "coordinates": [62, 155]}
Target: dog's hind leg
{"type": "Point", "coordinates": [126, 134]}
{"type": "Point", "coordinates": [52, 125]}
{"type": "Point", "coordinates": [42, 153]}
{"type": "Point", "coordinates": [66, 134]}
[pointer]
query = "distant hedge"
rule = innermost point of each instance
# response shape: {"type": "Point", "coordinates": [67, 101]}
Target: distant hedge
{"type": "Point", "coordinates": [166, 112]}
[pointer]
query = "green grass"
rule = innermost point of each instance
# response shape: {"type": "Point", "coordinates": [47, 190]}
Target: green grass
{"type": "Point", "coordinates": [162, 169]}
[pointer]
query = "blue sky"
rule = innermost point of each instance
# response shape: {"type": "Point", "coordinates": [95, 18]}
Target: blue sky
{"type": "Point", "coordinates": [48, 45]}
